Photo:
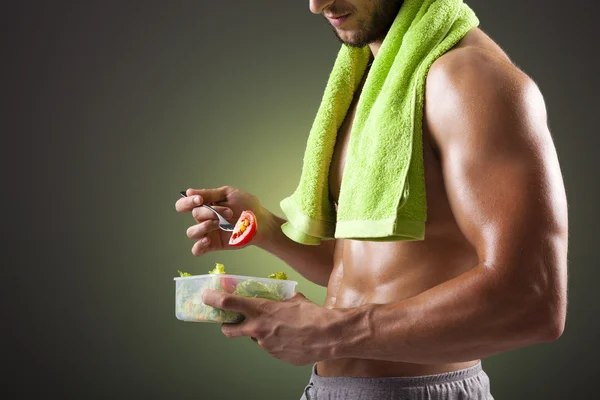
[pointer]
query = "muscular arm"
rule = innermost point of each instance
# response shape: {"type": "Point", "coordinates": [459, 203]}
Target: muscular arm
{"type": "Point", "coordinates": [502, 177]}
{"type": "Point", "coordinates": [315, 263]}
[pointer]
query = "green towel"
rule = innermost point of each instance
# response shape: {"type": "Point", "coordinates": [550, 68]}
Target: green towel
{"type": "Point", "coordinates": [382, 195]}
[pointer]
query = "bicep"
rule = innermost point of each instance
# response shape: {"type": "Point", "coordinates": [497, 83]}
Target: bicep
{"type": "Point", "coordinates": [502, 177]}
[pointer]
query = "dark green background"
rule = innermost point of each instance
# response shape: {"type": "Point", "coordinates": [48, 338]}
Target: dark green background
{"type": "Point", "coordinates": [111, 108]}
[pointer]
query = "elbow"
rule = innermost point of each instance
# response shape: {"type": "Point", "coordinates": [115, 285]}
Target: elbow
{"type": "Point", "coordinates": [546, 320]}
{"type": "Point", "coordinates": [539, 310]}
{"type": "Point", "coordinates": [543, 287]}
{"type": "Point", "coordinates": [554, 332]}
{"type": "Point", "coordinates": [553, 324]}
{"type": "Point", "coordinates": [552, 302]}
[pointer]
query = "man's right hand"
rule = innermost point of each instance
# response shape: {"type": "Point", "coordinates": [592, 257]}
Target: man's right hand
{"type": "Point", "coordinates": [229, 202]}
{"type": "Point", "coordinates": [315, 263]}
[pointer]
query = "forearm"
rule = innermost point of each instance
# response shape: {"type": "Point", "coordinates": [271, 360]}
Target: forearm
{"type": "Point", "coordinates": [469, 317]}
{"type": "Point", "coordinates": [315, 263]}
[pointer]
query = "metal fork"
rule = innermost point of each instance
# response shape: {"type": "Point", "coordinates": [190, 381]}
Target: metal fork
{"type": "Point", "coordinates": [223, 224]}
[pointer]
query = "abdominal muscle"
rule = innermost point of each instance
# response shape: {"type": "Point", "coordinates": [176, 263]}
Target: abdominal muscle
{"type": "Point", "coordinates": [388, 272]}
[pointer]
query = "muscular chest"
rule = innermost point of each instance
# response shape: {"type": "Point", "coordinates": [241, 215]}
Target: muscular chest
{"type": "Point", "coordinates": [338, 160]}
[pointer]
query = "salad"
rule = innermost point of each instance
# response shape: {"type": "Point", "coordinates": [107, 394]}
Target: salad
{"type": "Point", "coordinates": [189, 305]}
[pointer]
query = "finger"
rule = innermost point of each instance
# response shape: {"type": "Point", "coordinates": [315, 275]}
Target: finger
{"type": "Point", "coordinates": [210, 195]}
{"type": "Point", "coordinates": [187, 204]}
{"type": "Point", "coordinates": [202, 246]}
{"type": "Point", "coordinates": [203, 213]}
{"type": "Point", "coordinates": [232, 302]}
{"type": "Point", "coordinates": [238, 330]}
{"type": "Point", "coordinates": [201, 229]}
{"type": "Point", "coordinates": [297, 296]}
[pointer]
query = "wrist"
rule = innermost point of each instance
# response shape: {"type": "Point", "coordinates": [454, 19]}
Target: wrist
{"type": "Point", "coordinates": [268, 225]}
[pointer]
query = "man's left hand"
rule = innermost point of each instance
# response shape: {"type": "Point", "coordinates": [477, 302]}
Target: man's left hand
{"type": "Point", "coordinates": [297, 331]}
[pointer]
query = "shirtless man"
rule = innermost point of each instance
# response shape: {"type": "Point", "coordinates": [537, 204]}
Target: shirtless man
{"type": "Point", "coordinates": [490, 275]}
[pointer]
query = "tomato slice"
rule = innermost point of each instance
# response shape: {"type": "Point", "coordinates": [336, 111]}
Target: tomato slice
{"type": "Point", "coordinates": [228, 284]}
{"type": "Point", "coordinates": [245, 229]}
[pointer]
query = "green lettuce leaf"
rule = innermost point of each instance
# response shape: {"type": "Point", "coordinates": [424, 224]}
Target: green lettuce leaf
{"type": "Point", "coordinates": [278, 275]}
{"type": "Point", "coordinates": [218, 270]}
{"type": "Point", "coordinates": [256, 289]}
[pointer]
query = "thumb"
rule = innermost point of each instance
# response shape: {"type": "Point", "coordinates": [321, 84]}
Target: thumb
{"type": "Point", "coordinates": [232, 302]}
{"type": "Point", "coordinates": [210, 196]}
{"type": "Point", "coordinates": [297, 296]}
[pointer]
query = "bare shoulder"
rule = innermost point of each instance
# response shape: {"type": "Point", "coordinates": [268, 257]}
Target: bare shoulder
{"type": "Point", "coordinates": [472, 88]}
{"type": "Point", "coordinates": [487, 121]}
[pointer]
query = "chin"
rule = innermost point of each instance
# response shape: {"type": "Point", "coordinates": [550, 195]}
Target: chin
{"type": "Point", "coordinates": [348, 37]}
{"type": "Point", "coordinates": [355, 44]}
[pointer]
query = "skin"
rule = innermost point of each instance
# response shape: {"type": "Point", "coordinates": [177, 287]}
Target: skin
{"type": "Point", "coordinates": [490, 275]}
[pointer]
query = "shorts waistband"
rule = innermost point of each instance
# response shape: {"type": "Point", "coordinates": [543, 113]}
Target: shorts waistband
{"type": "Point", "coordinates": [394, 382]}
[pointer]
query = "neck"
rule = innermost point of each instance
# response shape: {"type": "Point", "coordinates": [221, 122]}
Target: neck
{"type": "Point", "coordinates": [375, 48]}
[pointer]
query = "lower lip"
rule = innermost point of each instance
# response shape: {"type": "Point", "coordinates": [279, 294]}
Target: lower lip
{"type": "Point", "coordinates": [338, 21]}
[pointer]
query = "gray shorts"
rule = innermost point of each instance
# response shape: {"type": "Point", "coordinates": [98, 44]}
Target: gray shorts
{"type": "Point", "coordinates": [466, 384]}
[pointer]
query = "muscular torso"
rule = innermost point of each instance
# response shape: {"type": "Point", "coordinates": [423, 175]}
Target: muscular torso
{"type": "Point", "coordinates": [386, 272]}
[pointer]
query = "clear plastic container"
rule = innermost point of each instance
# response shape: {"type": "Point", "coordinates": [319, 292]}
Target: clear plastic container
{"type": "Point", "coordinates": [189, 290]}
